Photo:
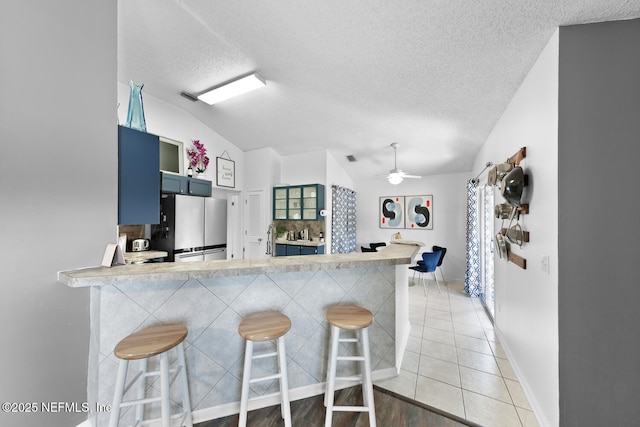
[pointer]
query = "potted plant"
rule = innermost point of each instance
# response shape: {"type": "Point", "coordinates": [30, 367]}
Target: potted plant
{"type": "Point", "coordinates": [198, 158]}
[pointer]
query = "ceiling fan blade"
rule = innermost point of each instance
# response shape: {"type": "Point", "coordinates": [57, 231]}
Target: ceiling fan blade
{"type": "Point", "coordinates": [382, 176]}
{"type": "Point", "coordinates": [395, 172]}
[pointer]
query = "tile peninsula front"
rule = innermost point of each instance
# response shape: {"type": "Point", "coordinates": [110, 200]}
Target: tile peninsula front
{"type": "Point", "coordinates": [212, 297]}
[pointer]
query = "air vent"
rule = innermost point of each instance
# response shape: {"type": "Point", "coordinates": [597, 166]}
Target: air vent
{"type": "Point", "coordinates": [190, 97]}
{"type": "Point", "coordinates": [351, 158]}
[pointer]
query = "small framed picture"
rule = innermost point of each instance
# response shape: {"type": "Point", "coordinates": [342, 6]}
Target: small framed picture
{"type": "Point", "coordinates": [225, 172]}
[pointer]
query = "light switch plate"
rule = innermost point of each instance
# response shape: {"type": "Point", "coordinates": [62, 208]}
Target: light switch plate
{"type": "Point", "coordinates": [544, 263]}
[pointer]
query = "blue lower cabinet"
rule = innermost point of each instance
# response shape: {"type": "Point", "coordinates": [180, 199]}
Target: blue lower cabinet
{"type": "Point", "coordinates": [281, 250]}
{"type": "Point", "coordinates": [311, 250]}
{"type": "Point", "coordinates": [293, 250]}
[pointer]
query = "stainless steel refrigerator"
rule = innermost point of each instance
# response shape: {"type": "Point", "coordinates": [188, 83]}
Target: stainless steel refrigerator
{"type": "Point", "coordinates": [191, 228]}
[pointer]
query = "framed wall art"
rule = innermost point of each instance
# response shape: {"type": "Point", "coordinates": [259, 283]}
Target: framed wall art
{"type": "Point", "coordinates": [225, 172]}
{"type": "Point", "coordinates": [419, 212]}
{"type": "Point", "coordinates": [391, 211]}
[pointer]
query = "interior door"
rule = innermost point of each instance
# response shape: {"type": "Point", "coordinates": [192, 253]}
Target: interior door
{"type": "Point", "coordinates": [234, 227]}
{"type": "Point", "coordinates": [255, 228]}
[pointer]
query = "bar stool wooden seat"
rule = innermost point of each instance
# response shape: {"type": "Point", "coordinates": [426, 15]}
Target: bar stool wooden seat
{"type": "Point", "coordinates": [152, 341]}
{"type": "Point", "coordinates": [350, 317]}
{"type": "Point", "coordinates": [267, 326]}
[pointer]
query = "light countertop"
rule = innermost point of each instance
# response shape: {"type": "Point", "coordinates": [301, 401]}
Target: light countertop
{"type": "Point", "coordinates": [143, 256]}
{"type": "Point", "coordinates": [397, 253]}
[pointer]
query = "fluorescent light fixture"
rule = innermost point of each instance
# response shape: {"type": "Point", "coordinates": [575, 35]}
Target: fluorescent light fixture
{"type": "Point", "coordinates": [395, 178]}
{"type": "Point", "coordinates": [233, 88]}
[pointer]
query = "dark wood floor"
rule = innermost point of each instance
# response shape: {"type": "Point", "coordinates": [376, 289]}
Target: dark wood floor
{"type": "Point", "coordinates": [391, 411]}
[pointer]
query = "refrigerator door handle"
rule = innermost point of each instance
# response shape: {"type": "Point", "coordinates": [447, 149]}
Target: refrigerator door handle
{"type": "Point", "coordinates": [188, 254]}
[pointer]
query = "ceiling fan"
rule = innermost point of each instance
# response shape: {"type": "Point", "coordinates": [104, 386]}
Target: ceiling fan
{"type": "Point", "coordinates": [396, 175]}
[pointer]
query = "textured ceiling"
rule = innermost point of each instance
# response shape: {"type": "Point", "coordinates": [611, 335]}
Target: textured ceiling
{"type": "Point", "coordinates": [350, 76]}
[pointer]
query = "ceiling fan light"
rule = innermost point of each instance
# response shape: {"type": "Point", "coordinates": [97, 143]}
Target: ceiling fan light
{"type": "Point", "coordinates": [231, 89]}
{"type": "Point", "coordinates": [395, 178]}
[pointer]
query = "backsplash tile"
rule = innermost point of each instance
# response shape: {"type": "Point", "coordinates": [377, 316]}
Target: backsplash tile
{"type": "Point", "coordinates": [315, 227]}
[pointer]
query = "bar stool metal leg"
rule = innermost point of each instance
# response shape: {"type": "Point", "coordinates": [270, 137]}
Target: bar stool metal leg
{"type": "Point", "coordinates": [164, 390]}
{"type": "Point", "coordinates": [329, 395]}
{"type": "Point", "coordinates": [186, 400]}
{"type": "Point", "coordinates": [368, 384]}
{"type": "Point", "coordinates": [246, 375]}
{"type": "Point", "coordinates": [118, 394]}
{"type": "Point", "coordinates": [285, 409]}
{"type": "Point", "coordinates": [141, 390]}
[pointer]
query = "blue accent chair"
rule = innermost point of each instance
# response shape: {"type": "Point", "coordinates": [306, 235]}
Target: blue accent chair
{"type": "Point", "coordinates": [444, 251]}
{"type": "Point", "coordinates": [428, 264]}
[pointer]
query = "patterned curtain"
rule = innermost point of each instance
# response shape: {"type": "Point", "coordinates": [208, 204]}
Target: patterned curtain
{"type": "Point", "coordinates": [472, 282]}
{"type": "Point", "coordinates": [343, 220]}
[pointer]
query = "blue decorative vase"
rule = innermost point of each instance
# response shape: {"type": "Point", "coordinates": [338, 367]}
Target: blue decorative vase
{"type": "Point", "coordinates": [135, 115]}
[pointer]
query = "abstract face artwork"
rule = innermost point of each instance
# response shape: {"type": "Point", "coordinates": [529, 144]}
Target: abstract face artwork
{"type": "Point", "coordinates": [419, 212]}
{"type": "Point", "coordinates": [391, 212]}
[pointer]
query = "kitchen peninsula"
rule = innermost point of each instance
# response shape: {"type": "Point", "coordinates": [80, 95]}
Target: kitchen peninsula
{"type": "Point", "coordinates": [212, 298]}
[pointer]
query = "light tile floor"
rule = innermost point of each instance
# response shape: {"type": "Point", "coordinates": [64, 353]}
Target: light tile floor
{"type": "Point", "coordinates": [455, 363]}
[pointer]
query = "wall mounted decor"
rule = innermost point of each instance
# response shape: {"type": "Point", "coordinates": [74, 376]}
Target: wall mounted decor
{"type": "Point", "coordinates": [419, 212]}
{"type": "Point", "coordinates": [226, 171]}
{"type": "Point", "coordinates": [511, 180]}
{"type": "Point", "coordinates": [391, 211]}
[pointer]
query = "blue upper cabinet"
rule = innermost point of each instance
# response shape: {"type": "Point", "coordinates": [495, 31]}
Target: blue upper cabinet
{"type": "Point", "coordinates": [138, 177]}
{"type": "Point", "coordinates": [199, 187]}
{"type": "Point", "coordinates": [299, 202]}
{"type": "Point", "coordinates": [179, 184]}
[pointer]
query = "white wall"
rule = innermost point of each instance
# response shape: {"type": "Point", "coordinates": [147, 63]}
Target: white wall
{"type": "Point", "coordinates": [527, 300]}
{"type": "Point", "coordinates": [262, 172]}
{"type": "Point", "coordinates": [449, 216]}
{"type": "Point", "coordinates": [58, 182]}
{"type": "Point", "coordinates": [336, 175]}
{"type": "Point", "coordinates": [305, 168]}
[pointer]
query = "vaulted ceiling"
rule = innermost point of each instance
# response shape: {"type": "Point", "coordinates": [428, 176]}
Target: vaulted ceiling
{"type": "Point", "coordinates": [350, 76]}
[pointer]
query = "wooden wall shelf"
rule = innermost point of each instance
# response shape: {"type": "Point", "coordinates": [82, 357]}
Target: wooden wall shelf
{"type": "Point", "coordinates": [517, 158]}
{"type": "Point", "coordinates": [517, 260]}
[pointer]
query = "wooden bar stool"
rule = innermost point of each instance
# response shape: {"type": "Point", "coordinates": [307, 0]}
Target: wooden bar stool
{"type": "Point", "coordinates": [141, 345]}
{"type": "Point", "coordinates": [268, 326]}
{"type": "Point", "coordinates": [350, 317]}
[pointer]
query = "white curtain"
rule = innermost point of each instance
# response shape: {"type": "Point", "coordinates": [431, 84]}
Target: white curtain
{"type": "Point", "coordinates": [343, 220]}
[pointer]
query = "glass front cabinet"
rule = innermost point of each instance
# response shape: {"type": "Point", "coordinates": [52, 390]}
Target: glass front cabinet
{"type": "Point", "coordinates": [299, 202]}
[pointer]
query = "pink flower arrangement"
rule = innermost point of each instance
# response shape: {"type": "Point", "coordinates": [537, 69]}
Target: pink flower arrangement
{"type": "Point", "coordinates": [198, 156]}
